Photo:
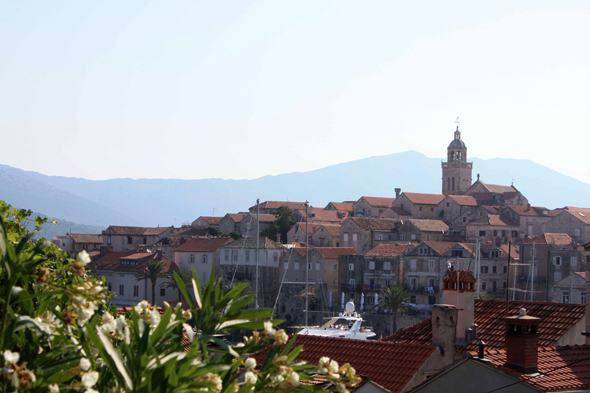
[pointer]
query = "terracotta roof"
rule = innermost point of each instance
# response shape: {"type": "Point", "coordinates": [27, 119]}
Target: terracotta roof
{"type": "Point", "coordinates": [494, 220]}
{"type": "Point", "coordinates": [299, 250]}
{"type": "Point", "coordinates": [465, 276]}
{"type": "Point", "coordinates": [343, 206]}
{"type": "Point", "coordinates": [85, 238]}
{"type": "Point", "coordinates": [137, 231]}
{"type": "Point", "coordinates": [535, 211]}
{"type": "Point", "coordinates": [400, 211]}
{"type": "Point", "coordinates": [440, 247]}
{"type": "Point", "coordinates": [424, 199]}
{"type": "Point", "coordinates": [194, 232]}
{"type": "Point", "coordinates": [112, 261]}
{"type": "Point", "coordinates": [250, 242]}
{"type": "Point", "coordinates": [560, 368]}
{"type": "Point", "coordinates": [237, 217]}
{"type": "Point", "coordinates": [211, 220]}
{"type": "Point", "coordinates": [425, 225]}
{"type": "Point", "coordinates": [390, 365]}
{"type": "Point", "coordinates": [389, 250]}
{"type": "Point", "coordinates": [334, 252]}
{"type": "Point", "coordinates": [491, 209]}
{"type": "Point", "coordinates": [557, 319]}
{"type": "Point", "coordinates": [464, 200]}
{"type": "Point", "coordinates": [323, 215]}
{"type": "Point", "coordinates": [379, 201]}
{"type": "Point", "coordinates": [580, 213]}
{"type": "Point", "coordinates": [204, 245]}
{"type": "Point", "coordinates": [551, 238]}
{"type": "Point", "coordinates": [581, 274]}
{"type": "Point", "coordinates": [333, 230]}
{"type": "Point", "coordinates": [277, 204]}
{"type": "Point", "coordinates": [497, 189]}
{"type": "Point", "coordinates": [375, 223]}
{"type": "Point", "coordinates": [514, 254]}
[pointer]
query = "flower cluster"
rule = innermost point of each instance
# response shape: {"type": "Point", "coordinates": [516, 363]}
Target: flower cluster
{"type": "Point", "coordinates": [279, 336]}
{"type": "Point", "coordinates": [341, 376]}
{"type": "Point", "coordinates": [213, 379]}
{"type": "Point", "coordinates": [19, 376]}
{"type": "Point", "coordinates": [114, 327]}
{"type": "Point", "coordinates": [285, 377]}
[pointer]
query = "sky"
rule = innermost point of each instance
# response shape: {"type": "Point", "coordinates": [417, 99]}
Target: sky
{"type": "Point", "coordinates": [243, 89]}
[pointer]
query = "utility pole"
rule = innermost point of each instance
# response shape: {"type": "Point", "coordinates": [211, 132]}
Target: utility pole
{"type": "Point", "coordinates": [257, 245]}
{"type": "Point", "coordinates": [508, 277]}
{"type": "Point", "coordinates": [306, 263]}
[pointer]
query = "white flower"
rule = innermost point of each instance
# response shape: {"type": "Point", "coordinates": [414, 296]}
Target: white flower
{"type": "Point", "coordinates": [239, 345]}
{"type": "Point", "coordinates": [154, 317]}
{"type": "Point", "coordinates": [11, 357]}
{"type": "Point", "coordinates": [85, 311]}
{"type": "Point", "coordinates": [89, 379]}
{"type": "Point", "coordinates": [84, 257]}
{"type": "Point", "coordinates": [333, 368]}
{"type": "Point", "coordinates": [90, 390]}
{"type": "Point", "coordinates": [53, 388]}
{"type": "Point", "coordinates": [141, 306]}
{"type": "Point", "coordinates": [251, 378]}
{"type": "Point", "coordinates": [293, 379]}
{"type": "Point", "coordinates": [85, 364]}
{"type": "Point", "coordinates": [250, 363]}
{"type": "Point", "coordinates": [189, 331]}
{"type": "Point", "coordinates": [268, 328]}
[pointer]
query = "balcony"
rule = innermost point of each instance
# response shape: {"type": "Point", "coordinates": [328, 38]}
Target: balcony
{"type": "Point", "coordinates": [369, 287]}
{"type": "Point", "coordinates": [351, 288]}
{"type": "Point", "coordinates": [420, 289]}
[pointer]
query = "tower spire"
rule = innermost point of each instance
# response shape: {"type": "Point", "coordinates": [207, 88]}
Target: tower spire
{"type": "Point", "coordinates": [457, 121]}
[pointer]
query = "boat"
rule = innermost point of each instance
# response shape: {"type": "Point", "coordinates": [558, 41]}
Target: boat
{"type": "Point", "coordinates": [345, 325]}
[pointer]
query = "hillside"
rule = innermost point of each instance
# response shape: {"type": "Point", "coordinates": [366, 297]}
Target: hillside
{"type": "Point", "coordinates": [171, 202]}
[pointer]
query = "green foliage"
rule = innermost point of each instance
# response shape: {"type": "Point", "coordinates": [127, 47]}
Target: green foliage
{"type": "Point", "coordinates": [235, 235]}
{"type": "Point", "coordinates": [153, 270]}
{"type": "Point", "coordinates": [395, 299]}
{"type": "Point", "coordinates": [281, 225]}
{"type": "Point", "coordinates": [57, 332]}
{"type": "Point", "coordinates": [185, 277]}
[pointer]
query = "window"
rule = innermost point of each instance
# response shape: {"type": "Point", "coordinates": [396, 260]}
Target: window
{"type": "Point", "coordinates": [371, 265]}
{"type": "Point", "coordinates": [192, 258]}
{"type": "Point", "coordinates": [129, 240]}
{"type": "Point", "coordinates": [573, 261]}
{"type": "Point", "coordinates": [352, 281]}
{"type": "Point", "coordinates": [296, 265]}
{"type": "Point", "coordinates": [227, 255]}
{"type": "Point", "coordinates": [483, 286]}
{"type": "Point", "coordinates": [286, 265]}
{"type": "Point", "coordinates": [109, 286]}
{"type": "Point", "coordinates": [121, 289]}
{"type": "Point", "coordinates": [335, 266]}
{"type": "Point", "coordinates": [557, 276]}
{"type": "Point", "coordinates": [484, 269]}
{"type": "Point", "coordinates": [108, 240]}
{"type": "Point", "coordinates": [583, 297]}
{"type": "Point", "coordinates": [505, 269]}
{"type": "Point", "coordinates": [136, 290]}
{"type": "Point", "coordinates": [247, 255]}
{"type": "Point", "coordinates": [431, 282]}
{"type": "Point", "coordinates": [402, 237]}
{"type": "Point", "coordinates": [565, 297]}
{"type": "Point", "coordinates": [413, 263]}
{"type": "Point", "coordinates": [530, 229]}
{"type": "Point", "coordinates": [412, 237]}
{"type": "Point", "coordinates": [204, 258]}
{"type": "Point", "coordinates": [145, 240]}
{"type": "Point", "coordinates": [162, 291]}
{"type": "Point", "coordinates": [413, 284]}
{"type": "Point", "coordinates": [346, 237]}
{"type": "Point", "coordinates": [354, 237]}
{"type": "Point", "coordinates": [432, 209]}
{"type": "Point", "coordinates": [504, 285]}
{"type": "Point", "coordinates": [351, 266]}
{"type": "Point", "coordinates": [557, 261]}
{"type": "Point", "coordinates": [386, 265]}
{"type": "Point", "coordinates": [317, 266]}
{"type": "Point", "coordinates": [493, 286]}
{"type": "Point", "coordinates": [457, 253]}
{"type": "Point", "coordinates": [494, 254]}
{"type": "Point", "coordinates": [431, 299]}
{"type": "Point", "coordinates": [431, 264]}
{"type": "Point", "coordinates": [494, 269]}
{"type": "Point", "coordinates": [482, 233]}
{"type": "Point", "coordinates": [422, 251]}
{"type": "Point", "coordinates": [275, 256]}
{"type": "Point", "coordinates": [235, 255]}
{"type": "Point", "coordinates": [420, 208]}
{"type": "Point", "coordinates": [533, 252]}
{"type": "Point", "coordinates": [577, 232]}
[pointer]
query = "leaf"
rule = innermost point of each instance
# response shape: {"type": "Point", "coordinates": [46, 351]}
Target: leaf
{"type": "Point", "coordinates": [112, 358]}
{"type": "Point", "coordinates": [197, 289]}
{"type": "Point", "coordinates": [184, 290]}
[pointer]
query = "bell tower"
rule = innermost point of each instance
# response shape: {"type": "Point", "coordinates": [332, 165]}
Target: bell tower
{"type": "Point", "coordinates": [456, 171]}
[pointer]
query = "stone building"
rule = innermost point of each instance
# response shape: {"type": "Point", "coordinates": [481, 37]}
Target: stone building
{"type": "Point", "coordinates": [268, 207]}
{"type": "Point", "coordinates": [456, 172]}
{"type": "Point", "coordinates": [495, 195]}
{"type": "Point", "coordinates": [360, 232]}
{"type": "Point", "coordinates": [76, 242]}
{"type": "Point", "coordinates": [419, 205]}
{"type": "Point", "coordinates": [345, 207]}
{"type": "Point", "coordinates": [206, 222]}
{"type": "Point", "coordinates": [531, 219]}
{"type": "Point", "coordinates": [317, 214]}
{"type": "Point", "coordinates": [326, 236]}
{"type": "Point", "coordinates": [555, 256]}
{"type": "Point", "coordinates": [575, 221]}
{"type": "Point", "coordinates": [571, 289]}
{"type": "Point", "coordinates": [123, 238]}
{"type": "Point", "coordinates": [455, 206]}
{"type": "Point", "coordinates": [494, 228]}
{"type": "Point", "coordinates": [200, 255]}
{"type": "Point", "coordinates": [368, 206]}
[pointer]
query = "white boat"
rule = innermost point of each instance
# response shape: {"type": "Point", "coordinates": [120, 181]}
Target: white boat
{"type": "Point", "coordinates": [345, 325]}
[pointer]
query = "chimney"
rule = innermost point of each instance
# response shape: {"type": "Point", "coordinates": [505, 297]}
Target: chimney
{"type": "Point", "coordinates": [459, 291]}
{"type": "Point", "coordinates": [522, 341]}
{"type": "Point", "coordinates": [397, 192]}
{"type": "Point", "coordinates": [528, 207]}
{"type": "Point", "coordinates": [159, 255]}
{"type": "Point", "coordinates": [444, 328]}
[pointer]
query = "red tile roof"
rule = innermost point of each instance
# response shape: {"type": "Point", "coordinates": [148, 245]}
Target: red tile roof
{"type": "Point", "coordinates": [390, 365]}
{"type": "Point", "coordinates": [464, 200]}
{"type": "Point", "coordinates": [440, 247]}
{"type": "Point", "coordinates": [86, 238]}
{"type": "Point", "coordinates": [343, 206]}
{"type": "Point", "coordinates": [334, 252]}
{"type": "Point", "coordinates": [323, 215]}
{"type": "Point", "coordinates": [497, 189]}
{"type": "Point", "coordinates": [211, 220]}
{"type": "Point", "coordinates": [550, 238]}
{"type": "Point", "coordinates": [204, 245]}
{"type": "Point", "coordinates": [379, 201]}
{"type": "Point", "coordinates": [465, 276]}
{"type": "Point", "coordinates": [560, 368]}
{"type": "Point", "coordinates": [112, 261]}
{"type": "Point", "coordinates": [491, 209]}
{"type": "Point", "coordinates": [581, 274]}
{"type": "Point", "coordinates": [137, 231]}
{"type": "Point", "coordinates": [498, 220]}
{"type": "Point", "coordinates": [375, 223]}
{"type": "Point", "coordinates": [277, 204]}
{"type": "Point", "coordinates": [424, 199]}
{"type": "Point", "coordinates": [535, 211]}
{"type": "Point", "coordinates": [237, 217]}
{"type": "Point", "coordinates": [557, 319]}
{"type": "Point", "coordinates": [580, 213]}
{"type": "Point", "coordinates": [389, 250]}
{"type": "Point", "coordinates": [333, 230]}
{"type": "Point", "coordinates": [425, 225]}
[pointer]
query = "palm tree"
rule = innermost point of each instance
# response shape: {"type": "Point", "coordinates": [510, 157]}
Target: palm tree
{"type": "Point", "coordinates": [152, 271]}
{"type": "Point", "coordinates": [185, 277]}
{"type": "Point", "coordinates": [395, 299]}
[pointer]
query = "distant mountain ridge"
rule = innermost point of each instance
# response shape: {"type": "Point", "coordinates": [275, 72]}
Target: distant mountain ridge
{"type": "Point", "coordinates": [153, 202]}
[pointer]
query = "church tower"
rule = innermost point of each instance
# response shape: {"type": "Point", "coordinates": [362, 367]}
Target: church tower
{"type": "Point", "coordinates": [456, 172]}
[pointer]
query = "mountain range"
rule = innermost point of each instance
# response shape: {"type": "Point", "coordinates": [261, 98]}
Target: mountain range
{"type": "Point", "coordinates": [153, 202]}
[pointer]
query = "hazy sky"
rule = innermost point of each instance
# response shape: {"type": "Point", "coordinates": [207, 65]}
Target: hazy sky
{"type": "Point", "coordinates": [195, 89]}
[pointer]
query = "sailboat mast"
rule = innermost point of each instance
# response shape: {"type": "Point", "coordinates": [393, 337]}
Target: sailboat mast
{"type": "Point", "coordinates": [306, 262]}
{"type": "Point", "coordinates": [257, 245]}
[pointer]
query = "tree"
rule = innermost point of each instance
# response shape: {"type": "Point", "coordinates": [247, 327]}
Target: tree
{"type": "Point", "coordinates": [185, 277]}
{"type": "Point", "coordinates": [395, 299]}
{"type": "Point", "coordinates": [152, 271]}
{"type": "Point", "coordinates": [281, 225]}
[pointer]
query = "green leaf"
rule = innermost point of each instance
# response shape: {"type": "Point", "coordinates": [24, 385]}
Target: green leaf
{"type": "Point", "coordinates": [112, 358]}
